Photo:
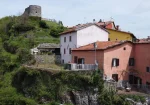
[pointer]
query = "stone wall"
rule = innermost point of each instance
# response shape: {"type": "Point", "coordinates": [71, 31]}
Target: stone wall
{"type": "Point", "coordinates": [33, 10]}
{"type": "Point", "coordinates": [47, 59]}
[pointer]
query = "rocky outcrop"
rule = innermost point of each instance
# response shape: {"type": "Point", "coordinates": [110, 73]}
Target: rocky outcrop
{"type": "Point", "coordinates": [80, 98]}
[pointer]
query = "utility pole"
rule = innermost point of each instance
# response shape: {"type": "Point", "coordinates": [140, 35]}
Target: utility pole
{"type": "Point", "coordinates": [95, 46]}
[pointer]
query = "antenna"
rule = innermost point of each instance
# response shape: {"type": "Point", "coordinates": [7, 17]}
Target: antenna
{"type": "Point", "coordinates": [84, 19]}
{"type": "Point", "coordinates": [111, 18]}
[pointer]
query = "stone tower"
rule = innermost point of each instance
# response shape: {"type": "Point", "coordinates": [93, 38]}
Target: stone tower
{"type": "Point", "coordinates": [33, 10]}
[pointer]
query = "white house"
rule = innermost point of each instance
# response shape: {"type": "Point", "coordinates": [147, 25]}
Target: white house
{"type": "Point", "coordinates": [79, 36]}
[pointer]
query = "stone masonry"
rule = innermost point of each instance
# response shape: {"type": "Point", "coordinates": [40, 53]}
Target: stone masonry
{"type": "Point", "coordinates": [33, 10]}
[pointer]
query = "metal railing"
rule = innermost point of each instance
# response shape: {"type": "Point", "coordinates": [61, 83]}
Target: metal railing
{"type": "Point", "coordinates": [82, 67]}
{"type": "Point", "coordinates": [141, 87]}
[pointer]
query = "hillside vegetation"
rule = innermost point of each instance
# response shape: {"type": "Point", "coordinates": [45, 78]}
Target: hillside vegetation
{"type": "Point", "coordinates": [23, 86]}
{"type": "Point", "coordinates": [17, 36]}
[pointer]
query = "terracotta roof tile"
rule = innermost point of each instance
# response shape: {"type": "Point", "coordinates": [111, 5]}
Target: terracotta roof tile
{"type": "Point", "coordinates": [101, 45]}
{"type": "Point", "coordinates": [79, 27]}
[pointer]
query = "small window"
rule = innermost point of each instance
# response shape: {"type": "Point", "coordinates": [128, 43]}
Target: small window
{"type": "Point", "coordinates": [63, 61]}
{"type": "Point", "coordinates": [64, 39]}
{"type": "Point", "coordinates": [69, 50]}
{"type": "Point", "coordinates": [124, 48]}
{"type": "Point", "coordinates": [108, 39]}
{"type": "Point", "coordinates": [75, 59]}
{"type": "Point", "coordinates": [115, 62]}
{"type": "Point", "coordinates": [70, 38]}
{"type": "Point", "coordinates": [148, 69]}
{"type": "Point", "coordinates": [64, 51]}
{"type": "Point", "coordinates": [131, 62]}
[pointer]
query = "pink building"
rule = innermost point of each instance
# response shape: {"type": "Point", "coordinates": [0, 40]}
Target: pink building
{"type": "Point", "coordinates": [123, 61]}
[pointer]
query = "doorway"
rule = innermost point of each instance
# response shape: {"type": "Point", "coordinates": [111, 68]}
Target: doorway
{"type": "Point", "coordinates": [115, 77]}
{"type": "Point", "coordinates": [135, 80]}
{"type": "Point", "coordinates": [81, 61]}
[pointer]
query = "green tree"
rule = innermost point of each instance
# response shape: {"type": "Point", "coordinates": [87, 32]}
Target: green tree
{"type": "Point", "coordinates": [43, 24]}
{"type": "Point", "coordinates": [24, 55]}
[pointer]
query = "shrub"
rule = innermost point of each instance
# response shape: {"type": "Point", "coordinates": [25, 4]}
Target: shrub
{"type": "Point", "coordinates": [43, 24]}
{"type": "Point", "coordinates": [24, 55]}
{"type": "Point", "coordinates": [23, 27]}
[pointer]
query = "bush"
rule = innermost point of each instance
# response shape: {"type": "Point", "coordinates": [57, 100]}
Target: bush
{"type": "Point", "coordinates": [24, 55]}
{"type": "Point", "coordinates": [23, 27]}
{"type": "Point", "coordinates": [43, 24]}
{"type": "Point", "coordinates": [54, 103]}
{"type": "Point", "coordinates": [10, 47]}
{"type": "Point", "coordinates": [35, 18]}
{"type": "Point", "coordinates": [56, 31]}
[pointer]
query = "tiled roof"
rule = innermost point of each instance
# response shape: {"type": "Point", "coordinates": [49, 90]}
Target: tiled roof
{"type": "Point", "coordinates": [121, 31]}
{"type": "Point", "coordinates": [104, 23]}
{"type": "Point", "coordinates": [48, 45]}
{"type": "Point", "coordinates": [101, 45]}
{"type": "Point", "coordinates": [79, 27]}
{"type": "Point", "coordinates": [144, 40]}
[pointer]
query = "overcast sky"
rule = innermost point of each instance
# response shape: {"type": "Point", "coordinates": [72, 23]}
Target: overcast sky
{"type": "Point", "coordinates": [130, 15]}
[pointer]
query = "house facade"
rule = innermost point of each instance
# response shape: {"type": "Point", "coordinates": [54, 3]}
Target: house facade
{"type": "Point", "coordinates": [80, 36]}
{"type": "Point", "coordinates": [118, 35]}
{"type": "Point", "coordinates": [115, 34]}
{"type": "Point", "coordinates": [122, 61]}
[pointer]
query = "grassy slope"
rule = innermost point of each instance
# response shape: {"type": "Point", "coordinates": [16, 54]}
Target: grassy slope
{"type": "Point", "coordinates": [9, 61]}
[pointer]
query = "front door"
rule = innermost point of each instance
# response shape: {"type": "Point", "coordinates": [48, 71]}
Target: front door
{"type": "Point", "coordinates": [115, 77]}
{"type": "Point", "coordinates": [131, 79]}
{"type": "Point", "coordinates": [81, 61]}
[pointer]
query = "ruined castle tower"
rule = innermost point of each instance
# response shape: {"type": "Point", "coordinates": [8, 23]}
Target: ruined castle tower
{"type": "Point", "coordinates": [33, 10]}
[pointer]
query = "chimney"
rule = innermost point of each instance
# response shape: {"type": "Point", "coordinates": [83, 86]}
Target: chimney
{"type": "Point", "coordinates": [93, 20]}
{"type": "Point", "coordinates": [148, 38]}
{"type": "Point", "coordinates": [100, 20]}
{"type": "Point", "coordinates": [117, 27]}
{"type": "Point", "coordinates": [78, 24]}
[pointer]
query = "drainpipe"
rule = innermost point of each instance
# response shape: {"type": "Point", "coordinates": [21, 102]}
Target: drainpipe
{"type": "Point", "coordinates": [95, 46]}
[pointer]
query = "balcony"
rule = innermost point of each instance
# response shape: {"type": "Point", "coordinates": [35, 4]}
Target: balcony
{"type": "Point", "coordinates": [73, 66]}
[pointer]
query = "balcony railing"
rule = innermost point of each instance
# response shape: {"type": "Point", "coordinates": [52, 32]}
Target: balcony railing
{"type": "Point", "coordinates": [82, 66]}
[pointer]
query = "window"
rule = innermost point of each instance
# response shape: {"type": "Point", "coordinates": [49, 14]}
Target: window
{"type": "Point", "coordinates": [70, 38]}
{"type": "Point", "coordinates": [75, 59]}
{"type": "Point", "coordinates": [81, 61]}
{"type": "Point", "coordinates": [148, 69]}
{"type": "Point", "coordinates": [64, 39]}
{"type": "Point", "coordinates": [115, 62]}
{"type": "Point", "coordinates": [64, 51]}
{"type": "Point", "coordinates": [124, 48]}
{"type": "Point", "coordinates": [108, 39]}
{"type": "Point", "coordinates": [69, 50]}
{"type": "Point", "coordinates": [63, 61]}
{"type": "Point", "coordinates": [131, 62]}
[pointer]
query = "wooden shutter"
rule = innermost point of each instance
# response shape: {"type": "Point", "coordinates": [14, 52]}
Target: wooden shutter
{"type": "Point", "coordinates": [112, 63]}
{"type": "Point", "coordinates": [75, 59]}
{"type": "Point", "coordinates": [117, 62]}
{"type": "Point", "coordinates": [147, 69]}
{"type": "Point", "coordinates": [133, 61]}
